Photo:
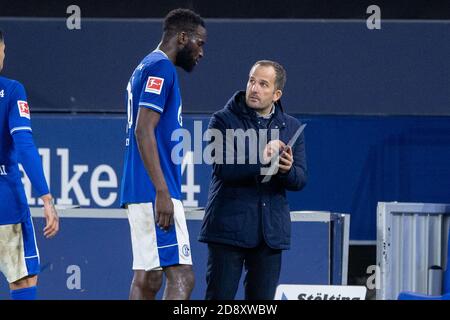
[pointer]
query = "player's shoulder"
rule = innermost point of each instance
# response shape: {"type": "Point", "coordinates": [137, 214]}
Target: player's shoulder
{"type": "Point", "coordinates": [10, 88]}
{"type": "Point", "coordinates": [156, 61]}
{"type": "Point", "coordinates": [9, 83]}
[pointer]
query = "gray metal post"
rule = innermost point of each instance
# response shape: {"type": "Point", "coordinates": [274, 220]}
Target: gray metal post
{"type": "Point", "coordinates": [434, 287]}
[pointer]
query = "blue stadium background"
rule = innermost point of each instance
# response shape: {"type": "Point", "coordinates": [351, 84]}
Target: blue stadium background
{"type": "Point", "coordinates": [377, 102]}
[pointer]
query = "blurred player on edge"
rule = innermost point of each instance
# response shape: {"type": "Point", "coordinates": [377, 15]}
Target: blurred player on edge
{"type": "Point", "coordinates": [19, 255]}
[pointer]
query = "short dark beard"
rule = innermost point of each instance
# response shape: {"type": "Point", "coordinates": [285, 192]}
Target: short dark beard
{"type": "Point", "coordinates": [185, 59]}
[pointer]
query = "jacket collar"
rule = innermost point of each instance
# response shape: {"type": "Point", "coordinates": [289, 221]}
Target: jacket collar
{"type": "Point", "coordinates": [238, 106]}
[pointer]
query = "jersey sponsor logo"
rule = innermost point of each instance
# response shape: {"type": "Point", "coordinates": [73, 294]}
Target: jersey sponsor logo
{"type": "Point", "coordinates": [2, 93]}
{"type": "Point", "coordinates": [154, 85]}
{"type": "Point", "coordinates": [24, 110]}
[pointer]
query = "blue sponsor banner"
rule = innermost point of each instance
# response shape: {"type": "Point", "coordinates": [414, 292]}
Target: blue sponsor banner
{"type": "Point", "coordinates": [353, 162]}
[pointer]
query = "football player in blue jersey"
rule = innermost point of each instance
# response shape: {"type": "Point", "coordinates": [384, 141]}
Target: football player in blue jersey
{"type": "Point", "coordinates": [19, 255]}
{"type": "Point", "coordinates": [151, 182]}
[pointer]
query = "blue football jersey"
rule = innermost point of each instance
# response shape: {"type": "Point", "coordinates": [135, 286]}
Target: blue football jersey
{"type": "Point", "coordinates": [14, 117]}
{"type": "Point", "coordinates": [153, 85]}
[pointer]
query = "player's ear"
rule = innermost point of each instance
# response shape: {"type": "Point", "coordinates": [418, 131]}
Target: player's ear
{"type": "Point", "coordinates": [182, 38]}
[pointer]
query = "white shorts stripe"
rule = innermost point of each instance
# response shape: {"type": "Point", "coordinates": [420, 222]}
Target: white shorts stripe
{"type": "Point", "coordinates": [182, 237]}
{"type": "Point", "coordinates": [35, 242]}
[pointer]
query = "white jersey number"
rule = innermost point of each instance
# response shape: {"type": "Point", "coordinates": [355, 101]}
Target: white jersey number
{"type": "Point", "coordinates": [129, 111]}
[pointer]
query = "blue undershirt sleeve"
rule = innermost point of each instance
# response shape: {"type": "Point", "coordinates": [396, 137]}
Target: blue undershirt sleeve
{"type": "Point", "coordinates": [29, 157]}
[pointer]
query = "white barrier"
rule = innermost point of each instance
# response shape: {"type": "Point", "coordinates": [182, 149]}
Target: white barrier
{"type": "Point", "coordinates": [411, 238]}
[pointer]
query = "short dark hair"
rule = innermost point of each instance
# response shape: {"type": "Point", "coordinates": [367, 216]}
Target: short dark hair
{"type": "Point", "coordinates": [1, 35]}
{"type": "Point", "coordinates": [180, 19]}
{"type": "Point", "coordinates": [280, 73]}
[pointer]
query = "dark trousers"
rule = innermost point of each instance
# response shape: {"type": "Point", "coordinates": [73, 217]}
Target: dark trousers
{"type": "Point", "coordinates": [262, 265]}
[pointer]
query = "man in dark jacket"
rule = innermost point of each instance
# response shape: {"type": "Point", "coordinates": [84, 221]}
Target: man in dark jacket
{"type": "Point", "coordinates": [247, 222]}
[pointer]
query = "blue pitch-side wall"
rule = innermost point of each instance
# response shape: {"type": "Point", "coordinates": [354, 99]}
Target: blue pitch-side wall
{"type": "Point", "coordinates": [92, 259]}
{"type": "Point", "coordinates": [353, 163]}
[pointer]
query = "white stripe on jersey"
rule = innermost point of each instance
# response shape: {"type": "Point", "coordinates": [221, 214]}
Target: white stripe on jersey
{"type": "Point", "coordinates": [19, 129]}
{"type": "Point", "coordinates": [151, 105]}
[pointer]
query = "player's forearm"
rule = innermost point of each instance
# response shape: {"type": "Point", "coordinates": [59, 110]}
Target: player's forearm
{"type": "Point", "coordinates": [29, 157]}
{"type": "Point", "coordinates": [148, 150]}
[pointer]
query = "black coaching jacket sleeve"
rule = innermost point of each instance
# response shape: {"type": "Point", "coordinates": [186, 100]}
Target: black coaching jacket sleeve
{"type": "Point", "coordinates": [296, 178]}
{"type": "Point", "coordinates": [231, 170]}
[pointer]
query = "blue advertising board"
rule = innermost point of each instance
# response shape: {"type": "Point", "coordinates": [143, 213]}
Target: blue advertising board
{"type": "Point", "coordinates": [91, 258]}
{"type": "Point", "coordinates": [353, 163]}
